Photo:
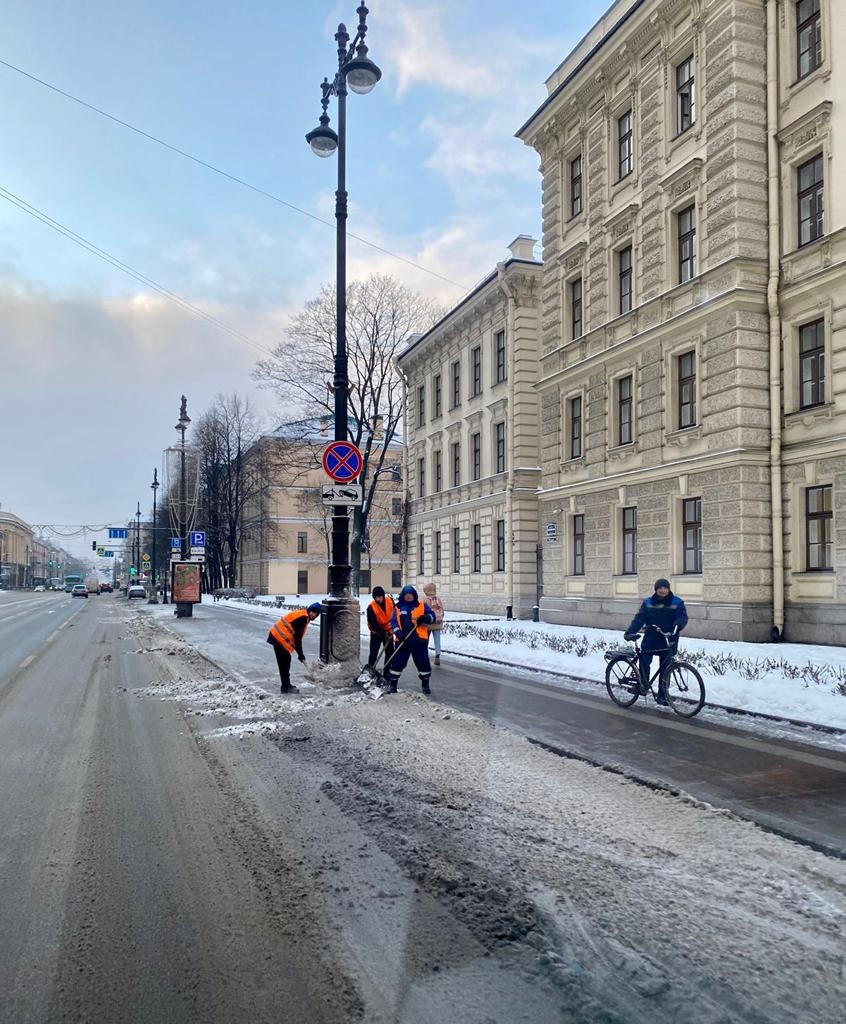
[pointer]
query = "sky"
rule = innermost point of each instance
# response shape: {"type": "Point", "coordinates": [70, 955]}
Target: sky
{"type": "Point", "coordinates": [92, 360]}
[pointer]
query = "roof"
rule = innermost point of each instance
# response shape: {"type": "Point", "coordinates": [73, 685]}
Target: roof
{"type": "Point", "coordinates": [315, 430]}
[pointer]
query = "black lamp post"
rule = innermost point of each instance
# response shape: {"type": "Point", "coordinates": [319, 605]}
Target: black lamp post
{"type": "Point", "coordinates": [138, 540]}
{"type": "Point", "coordinates": [154, 593]}
{"type": "Point", "coordinates": [184, 609]}
{"type": "Point", "coordinates": [356, 70]}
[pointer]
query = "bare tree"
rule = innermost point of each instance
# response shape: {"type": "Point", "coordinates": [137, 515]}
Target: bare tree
{"type": "Point", "coordinates": [381, 315]}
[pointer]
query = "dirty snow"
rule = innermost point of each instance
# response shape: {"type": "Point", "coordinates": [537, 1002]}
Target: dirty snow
{"type": "Point", "coordinates": [469, 876]}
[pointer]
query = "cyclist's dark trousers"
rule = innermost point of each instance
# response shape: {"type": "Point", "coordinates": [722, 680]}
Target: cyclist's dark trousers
{"type": "Point", "coordinates": [645, 660]}
{"type": "Point", "coordinates": [376, 641]}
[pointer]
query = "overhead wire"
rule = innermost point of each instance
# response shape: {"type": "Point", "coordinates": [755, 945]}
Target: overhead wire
{"type": "Point", "coordinates": [225, 174]}
{"type": "Point", "coordinates": [73, 236]}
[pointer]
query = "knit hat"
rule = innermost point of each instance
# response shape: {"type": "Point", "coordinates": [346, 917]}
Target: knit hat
{"type": "Point", "coordinates": [315, 607]}
{"type": "Point", "coordinates": [662, 583]}
{"type": "Point", "coordinates": [378, 592]}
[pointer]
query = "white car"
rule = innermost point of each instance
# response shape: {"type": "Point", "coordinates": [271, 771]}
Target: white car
{"type": "Point", "coordinates": [136, 590]}
{"type": "Point", "coordinates": [39, 589]}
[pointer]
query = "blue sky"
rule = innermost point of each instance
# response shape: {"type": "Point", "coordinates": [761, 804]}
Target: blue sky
{"type": "Point", "coordinates": [434, 174]}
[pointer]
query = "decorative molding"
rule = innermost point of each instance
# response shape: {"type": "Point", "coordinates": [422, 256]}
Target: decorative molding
{"type": "Point", "coordinates": [623, 222]}
{"type": "Point", "coordinates": [808, 128]}
{"type": "Point", "coordinates": [684, 180]}
{"type": "Point", "coordinates": [572, 258]}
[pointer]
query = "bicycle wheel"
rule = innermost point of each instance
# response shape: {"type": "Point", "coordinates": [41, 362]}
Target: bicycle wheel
{"type": "Point", "coordinates": [685, 689]}
{"type": "Point", "coordinates": [621, 680]}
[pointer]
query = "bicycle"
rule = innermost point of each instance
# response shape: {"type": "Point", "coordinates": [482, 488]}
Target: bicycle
{"type": "Point", "coordinates": [683, 685]}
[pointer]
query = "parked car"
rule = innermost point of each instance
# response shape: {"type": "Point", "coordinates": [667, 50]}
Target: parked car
{"type": "Point", "coordinates": [137, 590]}
{"type": "Point", "coordinates": [40, 589]}
{"type": "Point", "coordinates": [79, 590]}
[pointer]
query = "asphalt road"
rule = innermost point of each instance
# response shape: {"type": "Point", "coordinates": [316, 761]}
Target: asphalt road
{"type": "Point", "coordinates": [133, 885]}
{"type": "Point", "coordinates": [794, 788]}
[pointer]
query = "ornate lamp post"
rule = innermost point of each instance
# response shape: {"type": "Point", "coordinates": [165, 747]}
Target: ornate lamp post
{"type": "Point", "coordinates": [356, 70]}
{"type": "Point", "coordinates": [154, 593]}
{"type": "Point", "coordinates": [184, 610]}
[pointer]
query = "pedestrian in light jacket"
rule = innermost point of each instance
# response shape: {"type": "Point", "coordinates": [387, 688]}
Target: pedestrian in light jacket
{"type": "Point", "coordinates": [410, 624]}
{"type": "Point", "coordinates": [437, 606]}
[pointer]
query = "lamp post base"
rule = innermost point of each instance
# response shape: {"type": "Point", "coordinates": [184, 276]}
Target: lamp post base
{"type": "Point", "coordinates": [340, 641]}
{"type": "Point", "coordinates": [184, 610]}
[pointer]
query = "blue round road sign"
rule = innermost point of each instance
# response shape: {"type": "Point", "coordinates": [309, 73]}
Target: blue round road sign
{"type": "Point", "coordinates": [342, 461]}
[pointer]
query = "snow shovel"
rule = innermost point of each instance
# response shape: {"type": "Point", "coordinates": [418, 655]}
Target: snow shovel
{"type": "Point", "coordinates": [371, 679]}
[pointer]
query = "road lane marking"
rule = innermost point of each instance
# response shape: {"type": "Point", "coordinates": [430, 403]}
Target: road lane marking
{"type": "Point", "coordinates": [27, 661]}
{"type": "Point", "coordinates": [52, 636]}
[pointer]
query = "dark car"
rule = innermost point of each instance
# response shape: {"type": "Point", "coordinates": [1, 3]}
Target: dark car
{"type": "Point", "coordinates": [79, 591]}
{"type": "Point", "coordinates": [105, 588]}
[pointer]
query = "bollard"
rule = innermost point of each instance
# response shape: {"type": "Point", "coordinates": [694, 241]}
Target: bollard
{"type": "Point", "coordinates": [535, 614]}
{"type": "Point", "coordinates": [509, 611]}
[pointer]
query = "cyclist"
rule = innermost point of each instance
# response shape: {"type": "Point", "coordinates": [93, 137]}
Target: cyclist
{"type": "Point", "coordinates": [662, 611]}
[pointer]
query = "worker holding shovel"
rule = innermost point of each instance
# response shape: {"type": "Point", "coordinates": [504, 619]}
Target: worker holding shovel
{"type": "Point", "coordinates": [379, 613]}
{"type": "Point", "coordinates": [286, 636]}
{"type": "Point", "coordinates": [410, 624]}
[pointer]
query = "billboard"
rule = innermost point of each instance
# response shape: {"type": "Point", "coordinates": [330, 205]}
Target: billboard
{"type": "Point", "coordinates": [185, 584]}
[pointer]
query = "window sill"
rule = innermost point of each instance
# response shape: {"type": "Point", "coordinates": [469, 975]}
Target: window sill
{"type": "Point", "coordinates": [620, 451]}
{"type": "Point", "coordinates": [821, 71]}
{"type": "Point", "coordinates": [813, 573]}
{"type": "Point", "coordinates": [684, 436]}
{"type": "Point", "coordinates": [807, 416]}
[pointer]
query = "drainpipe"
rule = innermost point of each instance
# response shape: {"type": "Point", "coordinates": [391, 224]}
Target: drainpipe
{"type": "Point", "coordinates": [510, 434]}
{"type": "Point", "coordinates": [774, 231]}
{"type": "Point", "coordinates": [406, 494]}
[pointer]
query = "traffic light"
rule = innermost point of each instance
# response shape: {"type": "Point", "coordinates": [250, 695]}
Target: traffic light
{"type": "Point", "coordinates": [132, 570]}
{"type": "Point", "coordinates": [93, 545]}
{"type": "Point", "coordinates": [50, 563]}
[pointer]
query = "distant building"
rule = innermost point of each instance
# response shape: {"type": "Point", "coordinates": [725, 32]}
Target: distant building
{"type": "Point", "coordinates": [472, 443]}
{"type": "Point", "coordinates": [286, 546]}
{"type": "Point", "coordinates": [693, 353]}
{"type": "Point", "coordinates": [16, 552]}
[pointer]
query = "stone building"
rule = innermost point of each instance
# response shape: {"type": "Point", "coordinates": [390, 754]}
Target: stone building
{"type": "Point", "coordinates": [472, 443]}
{"type": "Point", "coordinates": [286, 550]}
{"type": "Point", "coordinates": [16, 547]}
{"type": "Point", "coordinates": [693, 339]}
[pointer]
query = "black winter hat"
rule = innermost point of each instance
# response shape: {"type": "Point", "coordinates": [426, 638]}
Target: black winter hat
{"type": "Point", "coordinates": [378, 592]}
{"type": "Point", "coordinates": [662, 583]}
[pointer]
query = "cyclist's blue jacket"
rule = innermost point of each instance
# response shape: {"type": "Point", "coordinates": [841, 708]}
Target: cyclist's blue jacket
{"type": "Point", "coordinates": [668, 614]}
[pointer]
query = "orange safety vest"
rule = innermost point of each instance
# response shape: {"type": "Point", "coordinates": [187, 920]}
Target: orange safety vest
{"type": "Point", "coordinates": [383, 612]}
{"type": "Point", "coordinates": [418, 610]}
{"type": "Point", "coordinates": [283, 630]}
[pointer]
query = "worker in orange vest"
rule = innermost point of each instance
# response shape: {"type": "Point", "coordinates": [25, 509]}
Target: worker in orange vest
{"type": "Point", "coordinates": [410, 624]}
{"type": "Point", "coordinates": [379, 613]}
{"type": "Point", "coordinates": [286, 636]}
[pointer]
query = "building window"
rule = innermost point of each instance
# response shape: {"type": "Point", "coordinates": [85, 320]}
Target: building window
{"type": "Point", "coordinates": [421, 406]}
{"type": "Point", "coordinates": [624, 270]}
{"type": "Point", "coordinates": [302, 543]}
{"type": "Point", "coordinates": [500, 447]}
{"type": "Point", "coordinates": [396, 578]}
{"type": "Point", "coordinates": [476, 448]}
{"type": "Point", "coordinates": [456, 384]}
{"type": "Point", "coordinates": [421, 478]}
{"type": "Point", "coordinates": [692, 535]}
{"type": "Point", "coordinates": [420, 548]}
{"type": "Point", "coordinates": [456, 549]}
{"type": "Point", "coordinates": [576, 308]}
{"type": "Point", "coordinates": [437, 552]}
{"type": "Point", "coordinates": [685, 100]}
{"type": "Point", "coordinates": [808, 36]}
{"type": "Point", "coordinates": [811, 196]}
{"type": "Point", "coordinates": [629, 541]}
{"type": "Point", "coordinates": [818, 529]}
{"type": "Point", "coordinates": [576, 186]}
{"type": "Point", "coordinates": [476, 372]}
{"type": "Point", "coordinates": [439, 473]}
{"type": "Point", "coordinates": [364, 580]}
{"type": "Point", "coordinates": [624, 145]}
{"type": "Point", "coordinates": [456, 463]}
{"type": "Point", "coordinates": [500, 545]}
{"type": "Point", "coordinates": [396, 543]}
{"type": "Point", "coordinates": [625, 387]}
{"type": "Point", "coordinates": [687, 390]}
{"type": "Point", "coordinates": [576, 427]}
{"type": "Point", "coordinates": [686, 221]}
{"type": "Point", "coordinates": [812, 363]}
{"type": "Point", "coordinates": [436, 396]}
{"type": "Point", "coordinates": [302, 581]}
{"type": "Point", "coordinates": [396, 473]}
{"type": "Point", "coordinates": [578, 545]}
{"type": "Point", "coordinates": [500, 356]}
{"type": "Point", "coordinates": [396, 506]}
{"type": "Point", "coordinates": [477, 548]}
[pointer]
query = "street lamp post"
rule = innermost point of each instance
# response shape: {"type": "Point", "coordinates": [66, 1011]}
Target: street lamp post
{"type": "Point", "coordinates": [339, 631]}
{"type": "Point", "coordinates": [154, 593]}
{"type": "Point", "coordinates": [184, 609]}
{"type": "Point", "coordinates": [138, 539]}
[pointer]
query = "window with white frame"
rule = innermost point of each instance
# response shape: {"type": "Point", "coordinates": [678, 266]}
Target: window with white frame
{"type": "Point", "coordinates": [421, 406]}
{"type": "Point", "coordinates": [576, 309]}
{"type": "Point", "coordinates": [456, 549]}
{"type": "Point", "coordinates": [476, 371]}
{"type": "Point", "coordinates": [421, 549]}
{"type": "Point", "coordinates": [500, 545]}
{"type": "Point", "coordinates": [625, 279]}
{"type": "Point", "coordinates": [686, 240]}
{"type": "Point", "coordinates": [439, 472]}
{"type": "Point", "coordinates": [476, 455]}
{"type": "Point", "coordinates": [808, 37]}
{"type": "Point", "coordinates": [421, 478]}
{"type": "Point", "coordinates": [810, 199]}
{"type": "Point", "coordinates": [437, 552]}
{"type": "Point", "coordinates": [456, 384]}
{"type": "Point", "coordinates": [819, 520]}
{"type": "Point", "coordinates": [436, 396]}
{"type": "Point", "coordinates": [499, 440]}
{"type": "Point", "coordinates": [686, 384]}
{"type": "Point", "coordinates": [692, 536]}
{"type": "Point", "coordinates": [625, 410]}
{"type": "Point", "coordinates": [456, 463]}
{"type": "Point", "coordinates": [812, 364]}
{"type": "Point", "coordinates": [625, 151]}
{"type": "Point", "coordinates": [578, 545]}
{"type": "Point", "coordinates": [575, 426]}
{"type": "Point", "coordinates": [477, 547]}
{"type": "Point", "coordinates": [302, 543]}
{"type": "Point", "coordinates": [576, 186]}
{"type": "Point", "coordinates": [685, 96]}
{"type": "Point", "coordinates": [499, 352]}
{"type": "Point", "coordinates": [629, 540]}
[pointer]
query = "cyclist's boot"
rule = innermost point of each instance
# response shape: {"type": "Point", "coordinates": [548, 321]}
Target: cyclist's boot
{"type": "Point", "coordinates": [662, 697]}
